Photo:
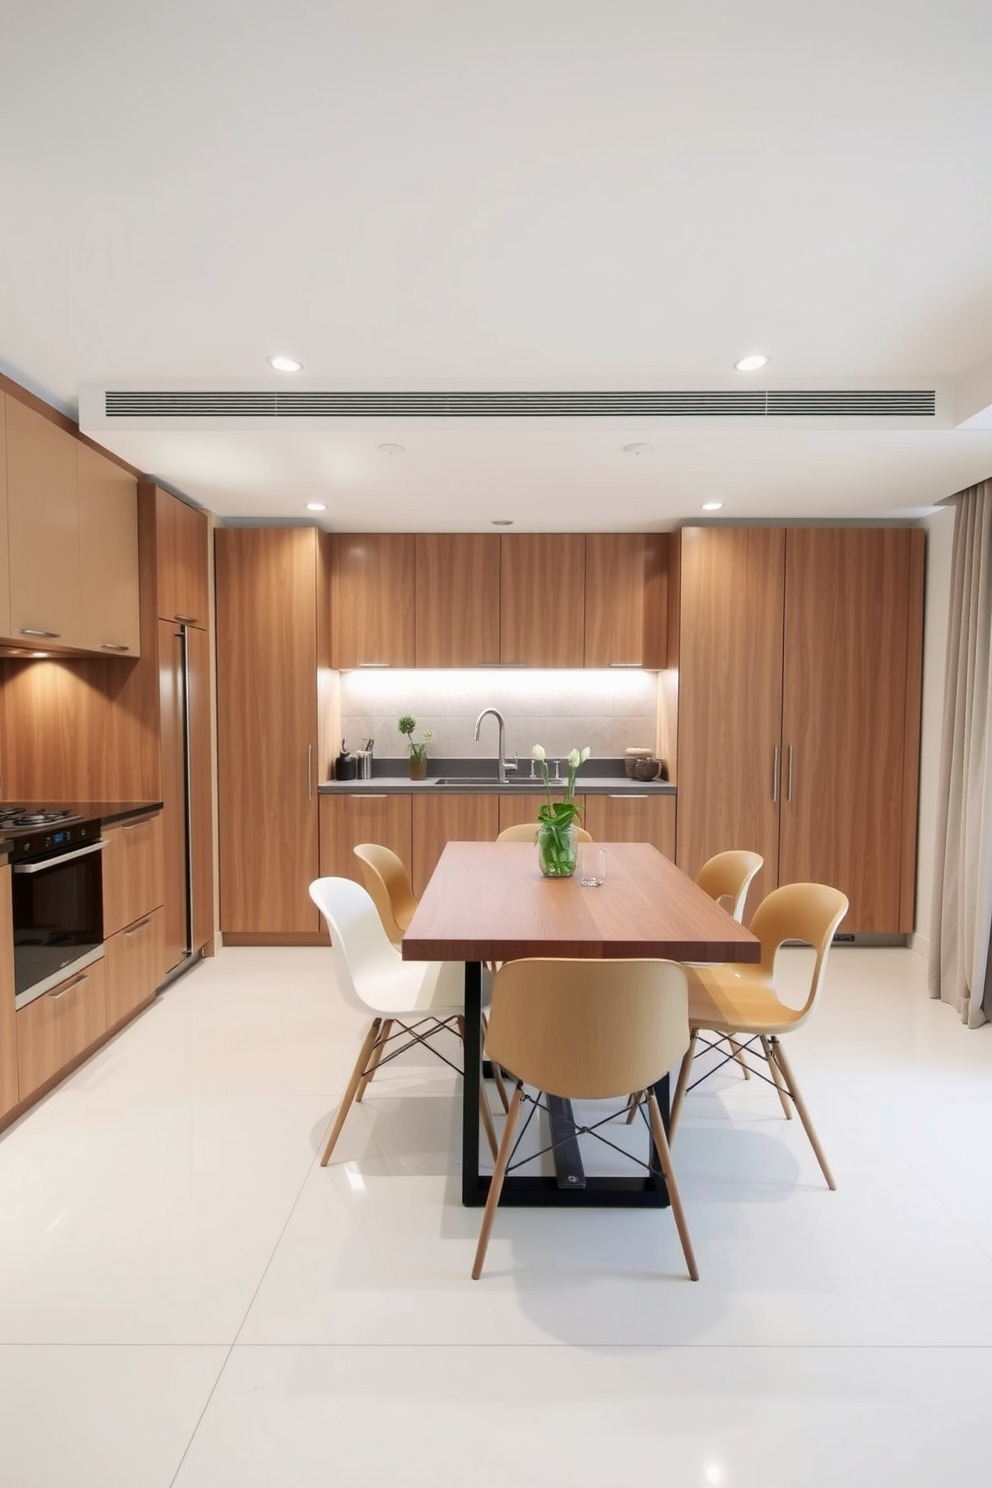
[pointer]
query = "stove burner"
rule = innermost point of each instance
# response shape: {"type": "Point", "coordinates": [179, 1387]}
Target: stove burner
{"type": "Point", "coordinates": [18, 816]}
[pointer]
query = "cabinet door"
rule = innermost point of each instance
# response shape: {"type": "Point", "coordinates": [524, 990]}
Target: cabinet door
{"type": "Point", "coordinates": [345, 821]}
{"type": "Point", "coordinates": [108, 555]}
{"type": "Point", "coordinates": [457, 599]}
{"type": "Point", "coordinates": [201, 797]}
{"type": "Point", "coordinates": [632, 818]}
{"type": "Point", "coordinates": [182, 558]}
{"type": "Point", "coordinates": [849, 608]}
{"type": "Point", "coordinates": [57, 1027]}
{"type": "Point", "coordinates": [267, 729]}
{"type": "Point", "coordinates": [515, 809]}
{"type": "Point", "coordinates": [132, 871]}
{"type": "Point", "coordinates": [8, 1025]}
{"type": "Point", "coordinates": [135, 964]}
{"type": "Point", "coordinates": [730, 695]}
{"type": "Point", "coordinates": [372, 600]}
{"type": "Point", "coordinates": [4, 549]}
{"type": "Point", "coordinates": [626, 592]}
{"type": "Point", "coordinates": [43, 527]}
{"type": "Point", "coordinates": [542, 599]}
{"type": "Point", "coordinates": [438, 821]}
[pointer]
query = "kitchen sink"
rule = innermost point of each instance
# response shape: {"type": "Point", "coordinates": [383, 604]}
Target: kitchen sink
{"type": "Point", "coordinates": [484, 780]}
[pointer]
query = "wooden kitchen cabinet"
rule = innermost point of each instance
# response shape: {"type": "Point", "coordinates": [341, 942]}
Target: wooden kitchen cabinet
{"type": "Point", "coordinates": [185, 732]}
{"type": "Point", "coordinates": [626, 599]}
{"type": "Point", "coordinates": [182, 560]}
{"type": "Point", "coordinates": [372, 587]}
{"type": "Point", "coordinates": [4, 547]}
{"type": "Point", "coordinates": [8, 1023]}
{"type": "Point", "coordinates": [43, 530]}
{"type": "Point", "coordinates": [457, 599]}
{"type": "Point", "coordinates": [55, 1029]}
{"type": "Point", "coordinates": [799, 709]}
{"type": "Point", "coordinates": [273, 729]}
{"type": "Point", "coordinates": [542, 599]}
{"type": "Point", "coordinates": [439, 819]}
{"type": "Point", "coordinates": [514, 810]}
{"type": "Point", "coordinates": [135, 962]}
{"type": "Point", "coordinates": [133, 873]}
{"type": "Point", "coordinates": [110, 619]}
{"type": "Point", "coordinates": [347, 820]}
{"type": "Point", "coordinates": [632, 817]}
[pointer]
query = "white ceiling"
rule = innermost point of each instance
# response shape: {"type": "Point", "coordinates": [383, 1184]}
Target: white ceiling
{"type": "Point", "coordinates": [531, 194]}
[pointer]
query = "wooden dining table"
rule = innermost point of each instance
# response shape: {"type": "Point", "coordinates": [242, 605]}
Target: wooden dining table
{"type": "Point", "coordinates": [488, 901]}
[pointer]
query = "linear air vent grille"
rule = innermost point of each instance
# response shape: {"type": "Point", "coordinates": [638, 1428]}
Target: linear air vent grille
{"type": "Point", "coordinates": [740, 404]}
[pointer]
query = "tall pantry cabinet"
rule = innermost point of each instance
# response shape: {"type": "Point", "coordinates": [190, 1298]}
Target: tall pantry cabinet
{"type": "Point", "coordinates": [272, 634]}
{"type": "Point", "coordinates": [799, 662]}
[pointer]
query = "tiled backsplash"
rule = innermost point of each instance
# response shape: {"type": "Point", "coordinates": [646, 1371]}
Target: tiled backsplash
{"type": "Point", "coordinates": [562, 710]}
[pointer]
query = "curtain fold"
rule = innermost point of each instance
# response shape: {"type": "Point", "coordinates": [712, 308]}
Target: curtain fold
{"type": "Point", "coordinates": [961, 921]}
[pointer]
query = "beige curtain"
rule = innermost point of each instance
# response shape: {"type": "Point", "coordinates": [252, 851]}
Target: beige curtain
{"type": "Point", "coordinates": [962, 894]}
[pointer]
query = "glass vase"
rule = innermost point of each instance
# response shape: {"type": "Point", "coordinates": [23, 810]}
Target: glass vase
{"type": "Point", "coordinates": [418, 767]}
{"type": "Point", "coordinates": [557, 850]}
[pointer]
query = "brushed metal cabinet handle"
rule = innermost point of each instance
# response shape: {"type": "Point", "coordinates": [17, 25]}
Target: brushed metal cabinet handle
{"type": "Point", "coordinates": [70, 987]}
{"type": "Point", "coordinates": [113, 646]}
{"type": "Point", "coordinates": [309, 772]}
{"type": "Point", "coordinates": [141, 925]}
{"type": "Point", "coordinates": [775, 776]}
{"type": "Point", "coordinates": [44, 635]}
{"type": "Point", "coordinates": [185, 619]}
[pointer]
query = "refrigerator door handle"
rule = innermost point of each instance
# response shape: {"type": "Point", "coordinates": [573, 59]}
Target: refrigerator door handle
{"type": "Point", "coordinates": [188, 783]}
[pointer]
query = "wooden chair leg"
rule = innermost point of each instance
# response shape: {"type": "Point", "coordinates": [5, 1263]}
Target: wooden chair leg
{"type": "Point", "coordinates": [349, 1095]}
{"type": "Point", "coordinates": [683, 1081]}
{"type": "Point", "coordinates": [633, 1101]}
{"type": "Point", "coordinates": [496, 1182]}
{"type": "Point", "coordinates": [783, 1094]}
{"type": "Point", "coordinates": [497, 1072]}
{"type": "Point", "coordinates": [790, 1085]}
{"type": "Point", "coordinates": [487, 1120]}
{"type": "Point", "coordinates": [738, 1054]}
{"type": "Point", "coordinates": [665, 1163]}
{"type": "Point", "coordinates": [374, 1061]}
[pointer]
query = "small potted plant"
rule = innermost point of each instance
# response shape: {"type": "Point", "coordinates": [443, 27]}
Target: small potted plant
{"type": "Point", "coordinates": [417, 747]}
{"type": "Point", "coordinates": [556, 843]}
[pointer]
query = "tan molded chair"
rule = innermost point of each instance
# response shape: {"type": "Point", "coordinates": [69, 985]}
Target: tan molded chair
{"type": "Point", "coordinates": [741, 1001]}
{"type": "Point", "coordinates": [418, 998]}
{"type": "Point", "coordinates": [587, 1030]}
{"type": "Point", "coordinates": [527, 832]}
{"type": "Point", "coordinates": [727, 876]}
{"type": "Point", "coordinates": [387, 882]}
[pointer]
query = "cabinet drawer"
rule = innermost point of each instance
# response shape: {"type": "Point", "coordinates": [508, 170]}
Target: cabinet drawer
{"type": "Point", "coordinates": [135, 962]}
{"type": "Point", "coordinates": [133, 872]}
{"type": "Point", "coordinates": [54, 1029]}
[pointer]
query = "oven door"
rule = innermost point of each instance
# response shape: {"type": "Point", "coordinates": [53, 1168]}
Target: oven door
{"type": "Point", "coordinates": [58, 919]}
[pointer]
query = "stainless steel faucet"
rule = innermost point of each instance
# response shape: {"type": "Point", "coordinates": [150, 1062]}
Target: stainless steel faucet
{"type": "Point", "coordinates": [501, 763]}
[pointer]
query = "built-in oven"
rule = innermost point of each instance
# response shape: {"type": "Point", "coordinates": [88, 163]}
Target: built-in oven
{"type": "Point", "coordinates": [57, 897]}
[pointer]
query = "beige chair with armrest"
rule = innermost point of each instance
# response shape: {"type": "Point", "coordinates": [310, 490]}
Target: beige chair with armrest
{"type": "Point", "coordinates": [726, 877]}
{"type": "Point", "coordinates": [587, 1030]}
{"type": "Point", "coordinates": [742, 1002]}
{"type": "Point", "coordinates": [527, 832]}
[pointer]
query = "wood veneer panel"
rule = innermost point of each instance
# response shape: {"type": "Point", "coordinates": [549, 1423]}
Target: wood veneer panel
{"type": "Point", "coordinates": [348, 820]}
{"type": "Point", "coordinates": [108, 555]}
{"type": "Point", "coordinates": [267, 728]}
{"type": "Point", "coordinates": [8, 1026]}
{"type": "Point", "coordinates": [732, 586]}
{"type": "Point", "coordinates": [438, 820]}
{"type": "Point", "coordinates": [911, 730]}
{"type": "Point", "coordinates": [57, 1027]}
{"type": "Point", "coordinates": [372, 599]}
{"type": "Point", "coordinates": [489, 901]}
{"type": "Point", "coordinates": [4, 549]}
{"type": "Point", "coordinates": [519, 808]}
{"type": "Point", "coordinates": [626, 599]}
{"type": "Point", "coordinates": [542, 599]}
{"type": "Point", "coordinates": [182, 539]}
{"type": "Point", "coordinates": [43, 527]}
{"type": "Point", "coordinates": [133, 872]}
{"type": "Point", "coordinates": [457, 599]}
{"type": "Point", "coordinates": [135, 964]}
{"type": "Point", "coordinates": [847, 618]}
{"type": "Point", "coordinates": [198, 645]}
{"type": "Point", "coordinates": [633, 818]}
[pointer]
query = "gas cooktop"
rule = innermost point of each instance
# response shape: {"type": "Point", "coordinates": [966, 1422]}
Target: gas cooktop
{"type": "Point", "coordinates": [13, 818]}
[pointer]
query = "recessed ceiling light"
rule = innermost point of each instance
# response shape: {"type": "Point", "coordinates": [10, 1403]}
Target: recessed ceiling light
{"type": "Point", "coordinates": [637, 449]}
{"type": "Point", "coordinates": [284, 364]}
{"type": "Point", "coordinates": [392, 449]}
{"type": "Point", "coordinates": [752, 363]}
{"type": "Point", "coordinates": [501, 522]}
{"type": "Point", "coordinates": [316, 506]}
{"type": "Point", "coordinates": [712, 506]}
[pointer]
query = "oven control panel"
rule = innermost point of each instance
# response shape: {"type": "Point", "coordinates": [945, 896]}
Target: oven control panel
{"type": "Point", "coordinates": [40, 842]}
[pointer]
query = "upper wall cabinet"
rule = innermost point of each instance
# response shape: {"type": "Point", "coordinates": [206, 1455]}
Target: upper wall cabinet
{"type": "Point", "coordinates": [372, 600]}
{"type": "Point", "coordinates": [542, 599]}
{"type": "Point", "coordinates": [182, 561]}
{"type": "Point", "coordinates": [626, 589]}
{"type": "Point", "coordinates": [108, 555]}
{"type": "Point", "coordinates": [457, 599]}
{"type": "Point", "coordinates": [4, 562]}
{"type": "Point", "coordinates": [43, 527]}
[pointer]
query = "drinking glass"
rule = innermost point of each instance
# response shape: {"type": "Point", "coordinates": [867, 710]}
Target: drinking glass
{"type": "Point", "coordinates": [592, 867]}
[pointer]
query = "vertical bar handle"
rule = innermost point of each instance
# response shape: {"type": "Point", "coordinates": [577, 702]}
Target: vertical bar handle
{"type": "Point", "coordinates": [309, 772]}
{"type": "Point", "coordinates": [775, 776]}
{"type": "Point", "coordinates": [788, 795]}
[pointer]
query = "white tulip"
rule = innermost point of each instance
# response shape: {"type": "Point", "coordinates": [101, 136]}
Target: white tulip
{"type": "Point", "coordinates": [573, 759]}
{"type": "Point", "coordinates": [585, 755]}
{"type": "Point", "coordinates": [538, 752]}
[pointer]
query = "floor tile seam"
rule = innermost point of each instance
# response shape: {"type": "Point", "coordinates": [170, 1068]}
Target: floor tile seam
{"type": "Point", "coordinates": [199, 1420]}
{"type": "Point", "coordinates": [957, 1216]}
{"type": "Point", "coordinates": [599, 1347]}
{"type": "Point", "coordinates": [278, 1241]}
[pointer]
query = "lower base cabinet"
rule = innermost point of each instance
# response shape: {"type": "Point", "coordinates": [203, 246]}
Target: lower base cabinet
{"type": "Point", "coordinates": [58, 1027]}
{"type": "Point", "coordinates": [345, 821]}
{"type": "Point", "coordinates": [632, 818]}
{"type": "Point", "coordinates": [135, 961]}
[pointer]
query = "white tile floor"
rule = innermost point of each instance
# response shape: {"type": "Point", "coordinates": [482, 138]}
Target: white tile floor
{"type": "Point", "coordinates": [187, 1298]}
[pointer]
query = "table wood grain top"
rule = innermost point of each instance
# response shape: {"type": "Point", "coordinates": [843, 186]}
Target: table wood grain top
{"type": "Point", "coordinates": [488, 901]}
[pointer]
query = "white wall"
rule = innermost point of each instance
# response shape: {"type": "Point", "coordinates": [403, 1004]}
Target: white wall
{"type": "Point", "coordinates": [940, 533]}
